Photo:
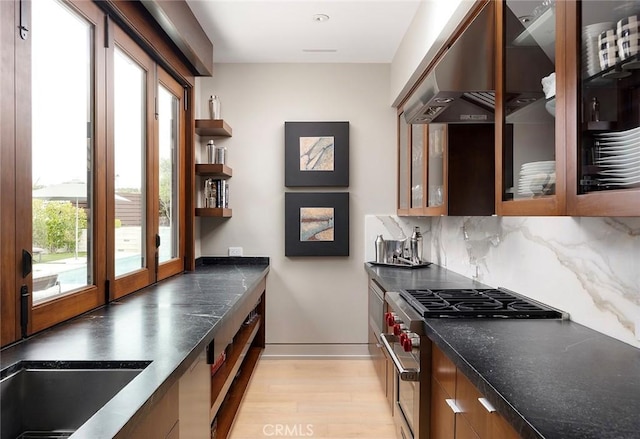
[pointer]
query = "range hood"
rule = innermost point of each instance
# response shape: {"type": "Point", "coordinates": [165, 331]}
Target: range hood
{"type": "Point", "coordinates": [460, 88]}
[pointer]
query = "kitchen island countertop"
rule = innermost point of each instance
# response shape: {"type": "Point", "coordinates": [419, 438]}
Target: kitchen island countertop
{"type": "Point", "coordinates": [168, 323]}
{"type": "Point", "coordinates": [549, 378]}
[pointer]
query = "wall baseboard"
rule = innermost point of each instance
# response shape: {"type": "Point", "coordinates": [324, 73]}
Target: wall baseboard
{"type": "Point", "coordinates": [316, 351]}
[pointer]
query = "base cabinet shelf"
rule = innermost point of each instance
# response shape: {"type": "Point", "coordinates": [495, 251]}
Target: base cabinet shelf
{"type": "Point", "coordinates": [224, 377]}
{"type": "Point", "coordinates": [230, 381]}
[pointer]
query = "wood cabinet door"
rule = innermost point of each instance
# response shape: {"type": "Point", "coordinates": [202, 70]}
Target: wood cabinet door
{"type": "Point", "coordinates": [467, 400]}
{"type": "Point", "coordinates": [499, 428]}
{"type": "Point", "coordinates": [530, 132]}
{"type": "Point", "coordinates": [601, 175]}
{"type": "Point", "coordinates": [443, 371]}
{"type": "Point", "coordinates": [162, 419]}
{"type": "Point", "coordinates": [464, 430]}
{"type": "Point", "coordinates": [443, 419]}
{"type": "Point", "coordinates": [195, 399]}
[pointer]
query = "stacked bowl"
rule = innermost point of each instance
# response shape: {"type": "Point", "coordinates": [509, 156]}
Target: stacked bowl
{"type": "Point", "coordinates": [590, 48]}
{"type": "Point", "coordinates": [628, 31]}
{"type": "Point", "coordinates": [537, 178]}
{"type": "Point", "coordinates": [608, 45]}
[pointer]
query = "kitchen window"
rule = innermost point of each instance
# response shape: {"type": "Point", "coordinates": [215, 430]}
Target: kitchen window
{"type": "Point", "coordinates": [61, 147]}
{"type": "Point", "coordinates": [93, 140]}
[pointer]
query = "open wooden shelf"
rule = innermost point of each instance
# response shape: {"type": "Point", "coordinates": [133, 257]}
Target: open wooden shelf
{"type": "Point", "coordinates": [216, 212]}
{"type": "Point", "coordinates": [214, 169]}
{"type": "Point", "coordinates": [240, 357]}
{"type": "Point", "coordinates": [602, 125]}
{"type": "Point", "coordinates": [227, 412]}
{"type": "Point", "coordinates": [213, 128]}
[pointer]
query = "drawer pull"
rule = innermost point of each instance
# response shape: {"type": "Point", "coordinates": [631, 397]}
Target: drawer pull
{"type": "Point", "coordinates": [452, 404]}
{"type": "Point", "coordinates": [487, 405]}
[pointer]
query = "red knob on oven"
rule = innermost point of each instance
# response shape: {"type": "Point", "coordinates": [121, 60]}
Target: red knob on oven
{"type": "Point", "coordinates": [389, 318]}
{"type": "Point", "coordinates": [407, 345]}
{"type": "Point", "coordinates": [397, 329]}
{"type": "Point", "coordinates": [402, 338]}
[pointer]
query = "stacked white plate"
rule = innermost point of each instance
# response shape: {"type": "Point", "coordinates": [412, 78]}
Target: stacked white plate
{"type": "Point", "coordinates": [537, 178]}
{"type": "Point", "coordinates": [619, 158]}
{"type": "Point", "coordinates": [590, 49]}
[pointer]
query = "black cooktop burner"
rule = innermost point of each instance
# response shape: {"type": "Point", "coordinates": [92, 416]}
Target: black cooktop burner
{"type": "Point", "coordinates": [476, 303]}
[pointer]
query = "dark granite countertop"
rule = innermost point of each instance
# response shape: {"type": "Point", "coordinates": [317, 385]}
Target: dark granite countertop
{"type": "Point", "coordinates": [549, 378]}
{"type": "Point", "coordinates": [169, 324]}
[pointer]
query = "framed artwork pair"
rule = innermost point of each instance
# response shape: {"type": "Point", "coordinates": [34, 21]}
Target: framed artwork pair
{"type": "Point", "coordinates": [317, 155]}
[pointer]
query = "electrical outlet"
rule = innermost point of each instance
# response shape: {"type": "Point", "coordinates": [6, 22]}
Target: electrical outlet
{"type": "Point", "coordinates": [235, 251]}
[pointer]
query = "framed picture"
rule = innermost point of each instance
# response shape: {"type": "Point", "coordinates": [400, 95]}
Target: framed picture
{"type": "Point", "coordinates": [316, 224]}
{"type": "Point", "coordinates": [316, 154]}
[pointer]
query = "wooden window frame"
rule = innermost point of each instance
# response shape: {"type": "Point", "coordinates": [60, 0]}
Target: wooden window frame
{"type": "Point", "coordinates": [144, 276]}
{"type": "Point", "coordinates": [15, 152]}
{"type": "Point", "coordinates": [175, 265]}
{"type": "Point", "coordinates": [59, 309]}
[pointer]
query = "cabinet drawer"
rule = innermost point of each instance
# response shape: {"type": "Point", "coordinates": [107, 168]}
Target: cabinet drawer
{"type": "Point", "coordinates": [442, 417]}
{"type": "Point", "coordinates": [485, 423]}
{"type": "Point", "coordinates": [464, 430]}
{"type": "Point", "coordinates": [444, 371]}
{"type": "Point", "coordinates": [467, 400]}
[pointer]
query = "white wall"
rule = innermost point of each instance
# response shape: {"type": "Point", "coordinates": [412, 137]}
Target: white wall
{"type": "Point", "coordinates": [317, 303]}
{"type": "Point", "coordinates": [434, 22]}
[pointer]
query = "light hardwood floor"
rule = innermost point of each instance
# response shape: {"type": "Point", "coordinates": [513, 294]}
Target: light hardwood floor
{"type": "Point", "coordinates": [314, 399]}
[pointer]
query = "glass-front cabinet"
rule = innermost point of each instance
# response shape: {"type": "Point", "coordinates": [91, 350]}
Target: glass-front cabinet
{"type": "Point", "coordinates": [422, 168]}
{"type": "Point", "coordinates": [436, 172]}
{"type": "Point", "coordinates": [604, 131]}
{"type": "Point", "coordinates": [404, 171]}
{"type": "Point", "coordinates": [529, 130]}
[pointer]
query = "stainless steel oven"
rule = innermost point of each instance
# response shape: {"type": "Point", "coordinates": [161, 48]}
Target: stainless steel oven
{"type": "Point", "coordinates": [406, 343]}
{"type": "Point", "coordinates": [410, 351]}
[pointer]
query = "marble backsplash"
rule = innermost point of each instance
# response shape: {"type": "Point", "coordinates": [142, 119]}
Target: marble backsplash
{"type": "Point", "coordinates": [588, 267]}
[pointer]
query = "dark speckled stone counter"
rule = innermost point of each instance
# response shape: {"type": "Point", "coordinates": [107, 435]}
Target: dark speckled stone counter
{"type": "Point", "coordinates": [168, 324]}
{"type": "Point", "coordinates": [549, 378]}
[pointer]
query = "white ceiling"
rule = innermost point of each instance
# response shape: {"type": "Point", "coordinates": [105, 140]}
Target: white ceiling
{"type": "Point", "coordinates": [358, 31]}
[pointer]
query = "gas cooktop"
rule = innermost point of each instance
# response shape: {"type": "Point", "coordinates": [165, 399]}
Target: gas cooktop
{"type": "Point", "coordinates": [488, 303]}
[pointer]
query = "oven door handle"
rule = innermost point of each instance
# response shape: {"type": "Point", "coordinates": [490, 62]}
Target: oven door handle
{"type": "Point", "coordinates": [406, 374]}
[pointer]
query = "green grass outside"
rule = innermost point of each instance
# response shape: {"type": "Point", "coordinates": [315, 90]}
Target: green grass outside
{"type": "Point", "coordinates": [52, 257]}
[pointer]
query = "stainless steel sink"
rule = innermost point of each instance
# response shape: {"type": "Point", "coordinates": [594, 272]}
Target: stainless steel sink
{"type": "Point", "coordinates": [51, 399]}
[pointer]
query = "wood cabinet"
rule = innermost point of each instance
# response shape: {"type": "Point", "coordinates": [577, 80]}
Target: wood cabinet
{"type": "Point", "coordinates": [162, 420]}
{"type": "Point", "coordinates": [530, 124]}
{"type": "Point", "coordinates": [381, 361]}
{"type": "Point", "coordinates": [194, 396]}
{"type": "Point", "coordinates": [605, 168]}
{"type": "Point", "coordinates": [199, 402]}
{"type": "Point", "coordinates": [207, 129]}
{"type": "Point", "coordinates": [241, 341]}
{"type": "Point", "coordinates": [552, 154]}
{"type": "Point", "coordinates": [437, 163]}
{"type": "Point", "coordinates": [458, 409]}
{"type": "Point", "coordinates": [533, 128]}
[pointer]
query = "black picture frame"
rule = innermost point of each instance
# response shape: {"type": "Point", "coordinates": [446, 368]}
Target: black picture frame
{"type": "Point", "coordinates": [295, 245]}
{"type": "Point", "coordinates": [297, 177]}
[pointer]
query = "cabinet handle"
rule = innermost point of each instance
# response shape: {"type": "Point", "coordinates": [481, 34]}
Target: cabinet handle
{"type": "Point", "coordinates": [453, 406]}
{"type": "Point", "coordinates": [487, 405]}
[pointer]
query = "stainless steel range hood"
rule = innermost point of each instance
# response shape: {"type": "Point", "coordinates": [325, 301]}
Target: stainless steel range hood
{"type": "Point", "coordinates": [460, 88]}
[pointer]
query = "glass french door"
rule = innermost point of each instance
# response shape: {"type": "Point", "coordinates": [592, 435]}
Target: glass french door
{"type": "Point", "coordinates": [170, 196]}
{"type": "Point", "coordinates": [62, 158]}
